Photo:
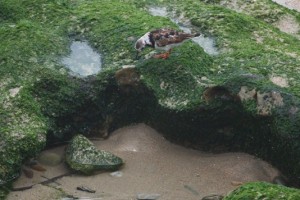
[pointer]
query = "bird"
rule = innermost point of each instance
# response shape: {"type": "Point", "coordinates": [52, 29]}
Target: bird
{"type": "Point", "coordinates": [162, 39]}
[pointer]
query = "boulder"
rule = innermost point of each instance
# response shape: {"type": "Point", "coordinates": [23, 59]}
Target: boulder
{"type": "Point", "coordinates": [83, 156]}
{"type": "Point", "coordinates": [262, 190]}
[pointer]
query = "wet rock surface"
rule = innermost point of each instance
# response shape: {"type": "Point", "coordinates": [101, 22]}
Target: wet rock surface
{"type": "Point", "coordinates": [257, 189]}
{"type": "Point", "coordinates": [245, 98]}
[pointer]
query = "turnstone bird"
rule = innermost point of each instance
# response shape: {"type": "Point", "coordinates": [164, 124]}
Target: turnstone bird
{"type": "Point", "coordinates": [162, 39]}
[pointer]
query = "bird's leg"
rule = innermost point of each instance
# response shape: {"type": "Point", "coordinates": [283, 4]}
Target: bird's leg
{"type": "Point", "coordinates": [137, 56]}
{"type": "Point", "coordinates": [167, 54]}
{"type": "Point", "coordinates": [163, 55]}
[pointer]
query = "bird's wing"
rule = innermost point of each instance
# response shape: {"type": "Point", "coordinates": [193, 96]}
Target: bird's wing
{"type": "Point", "coordinates": [163, 37]}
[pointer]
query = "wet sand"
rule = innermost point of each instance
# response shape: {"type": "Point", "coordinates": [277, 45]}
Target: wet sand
{"type": "Point", "coordinates": [153, 165]}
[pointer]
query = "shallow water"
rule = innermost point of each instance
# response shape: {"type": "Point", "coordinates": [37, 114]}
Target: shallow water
{"type": "Point", "coordinates": [153, 165]}
{"type": "Point", "coordinates": [83, 60]}
{"type": "Point", "coordinates": [207, 43]}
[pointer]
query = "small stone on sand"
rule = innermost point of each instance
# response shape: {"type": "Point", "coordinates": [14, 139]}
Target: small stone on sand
{"type": "Point", "coordinates": [148, 196]}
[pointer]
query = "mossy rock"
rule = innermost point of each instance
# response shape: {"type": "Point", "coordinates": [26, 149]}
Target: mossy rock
{"type": "Point", "coordinates": [22, 132]}
{"type": "Point", "coordinates": [83, 156]}
{"type": "Point", "coordinates": [262, 190]}
{"type": "Point", "coordinates": [229, 100]}
{"type": "Point", "coordinates": [28, 52]}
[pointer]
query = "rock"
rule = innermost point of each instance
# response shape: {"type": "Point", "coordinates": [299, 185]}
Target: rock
{"type": "Point", "coordinates": [117, 174]}
{"type": "Point", "coordinates": [82, 155]}
{"type": "Point", "coordinates": [147, 196]}
{"type": "Point", "coordinates": [262, 190]}
{"type": "Point", "coordinates": [265, 122]}
{"type": "Point", "coordinates": [49, 158]}
{"type": "Point", "coordinates": [38, 167]}
{"type": "Point", "coordinates": [213, 197]}
{"type": "Point", "coordinates": [236, 183]}
{"type": "Point", "coordinates": [85, 189]}
{"type": "Point", "coordinates": [13, 92]}
{"type": "Point", "coordinates": [27, 172]}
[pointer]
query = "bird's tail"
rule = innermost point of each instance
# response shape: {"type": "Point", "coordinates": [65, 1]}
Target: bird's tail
{"type": "Point", "coordinates": [188, 35]}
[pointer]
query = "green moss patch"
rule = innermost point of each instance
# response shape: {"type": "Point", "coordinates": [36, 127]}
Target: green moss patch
{"type": "Point", "coordinates": [112, 28]}
{"type": "Point", "coordinates": [261, 190]}
{"type": "Point", "coordinates": [188, 64]}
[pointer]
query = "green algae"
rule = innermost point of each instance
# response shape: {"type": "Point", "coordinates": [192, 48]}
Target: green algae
{"type": "Point", "coordinates": [59, 97]}
{"type": "Point", "coordinates": [249, 48]}
{"type": "Point", "coordinates": [33, 35]}
{"type": "Point", "coordinates": [29, 49]}
{"type": "Point", "coordinates": [265, 10]}
{"type": "Point", "coordinates": [22, 136]}
{"type": "Point", "coordinates": [187, 63]}
{"type": "Point", "coordinates": [42, 11]}
{"type": "Point", "coordinates": [261, 190]}
{"type": "Point", "coordinates": [112, 28]}
{"type": "Point", "coordinates": [83, 156]}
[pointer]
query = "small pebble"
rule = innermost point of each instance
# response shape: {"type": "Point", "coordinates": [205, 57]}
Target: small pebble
{"type": "Point", "coordinates": [236, 183]}
{"type": "Point", "coordinates": [85, 189]}
{"type": "Point", "coordinates": [117, 174]}
{"type": "Point", "coordinates": [27, 172]}
{"type": "Point", "coordinates": [213, 197]}
{"type": "Point", "coordinates": [148, 196]}
{"type": "Point", "coordinates": [38, 167]}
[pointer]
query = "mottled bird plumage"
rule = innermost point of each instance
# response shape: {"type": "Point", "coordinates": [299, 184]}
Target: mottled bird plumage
{"type": "Point", "coordinates": [162, 39]}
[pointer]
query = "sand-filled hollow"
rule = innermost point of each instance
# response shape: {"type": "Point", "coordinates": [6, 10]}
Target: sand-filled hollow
{"type": "Point", "coordinates": [153, 165]}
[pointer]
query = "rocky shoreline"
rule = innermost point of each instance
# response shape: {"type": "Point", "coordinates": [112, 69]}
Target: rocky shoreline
{"type": "Point", "coordinates": [245, 98]}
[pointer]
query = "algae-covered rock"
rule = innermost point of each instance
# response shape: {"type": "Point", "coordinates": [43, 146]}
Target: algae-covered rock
{"type": "Point", "coordinates": [262, 190]}
{"type": "Point", "coordinates": [245, 98]}
{"type": "Point", "coordinates": [22, 132]}
{"type": "Point", "coordinates": [82, 155]}
{"type": "Point", "coordinates": [27, 50]}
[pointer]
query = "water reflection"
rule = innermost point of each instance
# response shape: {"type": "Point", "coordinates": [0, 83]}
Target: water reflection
{"type": "Point", "coordinates": [207, 43]}
{"type": "Point", "coordinates": [83, 60]}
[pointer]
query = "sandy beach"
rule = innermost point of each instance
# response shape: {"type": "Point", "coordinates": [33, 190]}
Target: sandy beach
{"type": "Point", "coordinates": [153, 165]}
